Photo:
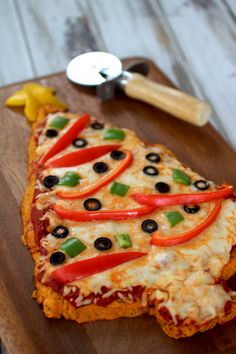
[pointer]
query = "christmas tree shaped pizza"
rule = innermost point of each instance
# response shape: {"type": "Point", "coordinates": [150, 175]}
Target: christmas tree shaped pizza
{"type": "Point", "coordinates": [118, 228]}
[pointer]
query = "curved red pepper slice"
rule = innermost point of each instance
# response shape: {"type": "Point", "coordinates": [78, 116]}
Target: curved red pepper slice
{"type": "Point", "coordinates": [164, 241]}
{"type": "Point", "coordinates": [91, 266]}
{"type": "Point", "coordinates": [81, 156]}
{"type": "Point", "coordinates": [75, 215]}
{"type": "Point", "coordinates": [66, 138]}
{"type": "Point", "coordinates": [101, 183]}
{"type": "Point", "coordinates": [157, 200]}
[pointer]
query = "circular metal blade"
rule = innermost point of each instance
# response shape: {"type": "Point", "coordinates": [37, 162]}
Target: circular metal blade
{"type": "Point", "coordinates": [93, 68]}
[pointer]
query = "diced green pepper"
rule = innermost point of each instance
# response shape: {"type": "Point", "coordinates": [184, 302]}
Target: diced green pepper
{"type": "Point", "coordinates": [114, 134]}
{"type": "Point", "coordinates": [181, 177]}
{"type": "Point", "coordinates": [73, 246]}
{"type": "Point", "coordinates": [124, 240]}
{"type": "Point", "coordinates": [174, 217]}
{"type": "Point", "coordinates": [119, 189]}
{"type": "Point", "coordinates": [70, 179]}
{"type": "Point", "coordinates": [59, 122]}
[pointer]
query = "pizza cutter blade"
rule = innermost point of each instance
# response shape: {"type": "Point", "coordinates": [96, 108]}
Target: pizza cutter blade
{"type": "Point", "coordinates": [104, 71]}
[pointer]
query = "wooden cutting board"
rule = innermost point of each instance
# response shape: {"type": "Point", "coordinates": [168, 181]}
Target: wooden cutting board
{"type": "Point", "coordinates": [23, 327]}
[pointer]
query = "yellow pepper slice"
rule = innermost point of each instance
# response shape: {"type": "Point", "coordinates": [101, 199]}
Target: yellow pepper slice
{"type": "Point", "coordinates": [47, 98]}
{"type": "Point", "coordinates": [36, 89]}
{"type": "Point", "coordinates": [32, 96]}
{"type": "Point", "coordinates": [31, 107]}
{"type": "Point", "coordinates": [17, 99]}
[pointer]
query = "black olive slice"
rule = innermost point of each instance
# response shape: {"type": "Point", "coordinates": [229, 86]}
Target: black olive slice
{"type": "Point", "coordinates": [117, 155]}
{"type": "Point", "coordinates": [149, 226]}
{"type": "Point", "coordinates": [150, 171]}
{"type": "Point", "coordinates": [191, 209]}
{"type": "Point", "coordinates": [103, 244]}
{"type": "Point", "coordinates": [51, 133]}
{"type": "Point", "coordinates": [79, 142]}
{"type": "Point", "coordinates": [50, 181]}
{"type": "Point", "coordinates": [162, 187]}
{"type": "Point", "coordinates": [92, 204]}
{"type": "Point", "coordinates": [57, 258]}
{"type": "Point", "coordinates": [60, 231]}
{"type": "Point", "coordinates": [97, 125]}
{"type": "Point", "coordinates": [153, 157]}
{"type": "Point", "coordinates": [100, 167]}
{"type": "Point", "coordinates": [201, 184]}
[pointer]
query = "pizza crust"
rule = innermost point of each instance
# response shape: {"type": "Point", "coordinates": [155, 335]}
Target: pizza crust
{"type": "Point", "coordinates": [230, 268]}
{"type": "Point", "coordinates": [56, 306]}
{"type": "Point", "coordinates": [188, 328]}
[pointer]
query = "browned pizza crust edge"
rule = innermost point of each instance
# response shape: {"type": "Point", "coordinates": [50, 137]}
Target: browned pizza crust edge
{"type": "Point", "coordinates": [56, 306]}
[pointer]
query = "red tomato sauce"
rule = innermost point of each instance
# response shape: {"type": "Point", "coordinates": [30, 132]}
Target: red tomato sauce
{"type": "Point", "coordinates": [135, 291]}
{"type": "Point", "coordinates": [40, 226]}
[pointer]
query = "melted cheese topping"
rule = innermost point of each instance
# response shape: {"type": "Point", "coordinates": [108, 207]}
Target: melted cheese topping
{"type": "Point", "coordinates": [182, 277]}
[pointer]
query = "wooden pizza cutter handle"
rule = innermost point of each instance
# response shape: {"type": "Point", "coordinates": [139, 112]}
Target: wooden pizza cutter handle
{"type": "Point", "coordinates": [175, 102]}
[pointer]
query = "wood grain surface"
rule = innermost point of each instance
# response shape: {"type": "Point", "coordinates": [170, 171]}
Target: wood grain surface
{"type": "Point", "coordinates": [192, 41]}
{"type": "Point", "coordinates": [23, 327]}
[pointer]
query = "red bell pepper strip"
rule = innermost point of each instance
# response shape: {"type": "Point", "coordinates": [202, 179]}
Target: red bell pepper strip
{"type": "Point", "coordinates": [82, 156]}
{"type": "Point", "coordinates": [66, 138]}
{"type": "Point", "coordinates": [91, 266]}
{"type": "Point", "coordinates": [163, 241]}
{"type": "Point", "coordinates": [75, 215]}
{"type": "Point", "coordinates": [157, 200]}
{"type": "Point", "coordinates": [102, 182]}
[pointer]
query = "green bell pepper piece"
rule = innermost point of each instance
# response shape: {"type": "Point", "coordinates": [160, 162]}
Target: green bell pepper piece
{"type": "Point", "coordinates": [73, 246]}
{"type": "Point", "coordinates": [70, 179]}
{"type": "Point", "coordinates": [181, 177]}
{"type": "Point", "coordinates": [59, 122]}
{"type": "Point", "coordinates": [119, 189]}
{"type": "Point", "coordinates": [114, 134]}
{"type": "Point", "coordinates": [174, 217]}
{"type": "Point", "coordinates": [124, 240]}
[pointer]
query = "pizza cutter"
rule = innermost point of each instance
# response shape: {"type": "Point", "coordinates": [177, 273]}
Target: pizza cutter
{"type": "Point", "coordinates": [104, 71]}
